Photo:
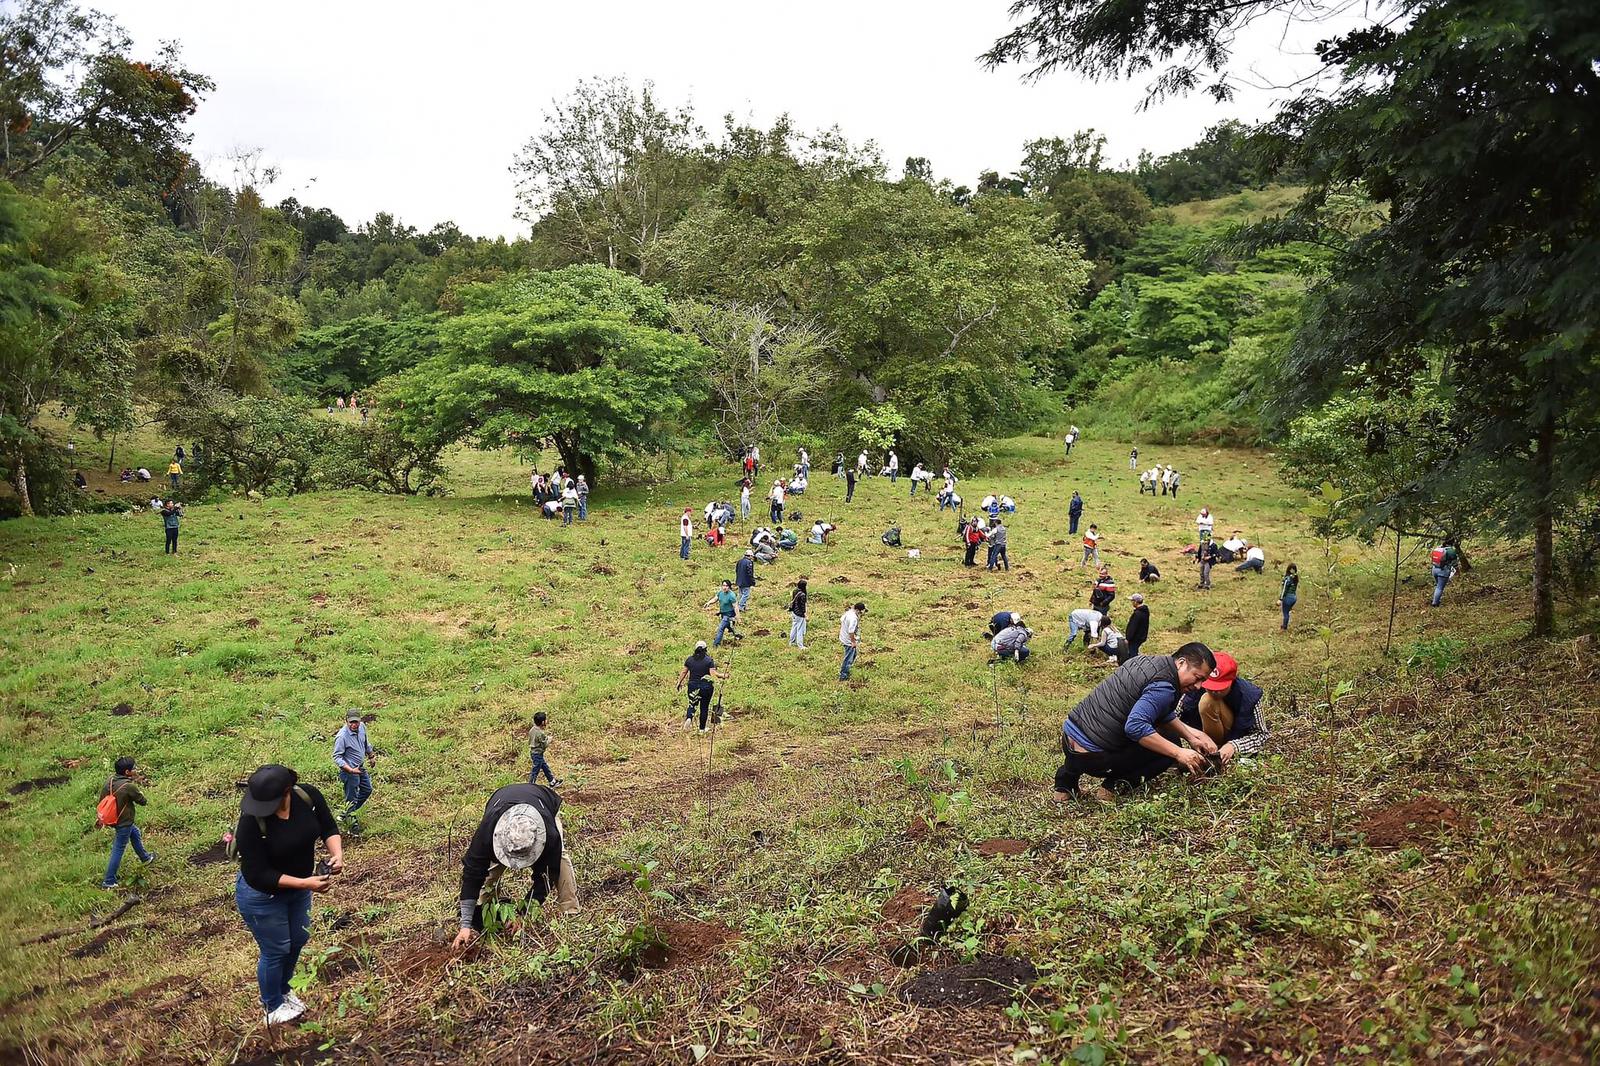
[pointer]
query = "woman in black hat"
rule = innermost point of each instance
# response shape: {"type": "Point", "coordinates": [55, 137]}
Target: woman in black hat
{"type": "Point", "coordinates": [280, 822]}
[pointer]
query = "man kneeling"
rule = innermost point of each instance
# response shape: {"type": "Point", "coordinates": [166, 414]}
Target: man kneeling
{"type": "Point", "coordinates": [1127, 729]}
{"type": "Point", "coordinates": [521, 830]}
{"type": "Point", "coordinates": [1012, 641]}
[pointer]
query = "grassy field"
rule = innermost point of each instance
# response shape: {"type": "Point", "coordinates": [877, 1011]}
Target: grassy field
{"type": "Point", "coordinates": [1411, 876]}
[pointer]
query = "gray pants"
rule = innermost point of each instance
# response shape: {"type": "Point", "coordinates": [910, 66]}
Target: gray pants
{"type": "Point", "coordinates": [797, 630]}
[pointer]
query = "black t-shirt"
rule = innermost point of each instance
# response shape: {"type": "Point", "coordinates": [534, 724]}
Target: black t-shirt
{"type": "Point", "coordinates": [290, 844]}
{"type": "Point", "coordinates": [698, 667]}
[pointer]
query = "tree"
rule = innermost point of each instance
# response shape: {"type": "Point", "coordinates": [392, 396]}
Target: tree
{"type": "Point", "coordinates": [1475, 122]}
{"type": "Point", "coordinates": [63, 318]}
{"type": "Point", "coordinates": [610, 172]}
{"type": "Point", "coordinates": [582, 359]}
{"type": "Point", "coordinates": [66, 79]}
{"type": "Point", "coordinates": [763, 372]}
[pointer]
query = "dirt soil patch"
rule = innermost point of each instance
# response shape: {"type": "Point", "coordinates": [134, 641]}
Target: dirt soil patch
{"type": "Point", "coordinates": [98, 943]}
{"type": "Point", "coordinates": [1403, 824]}
{"type": "Point", "coordinates": [990, 981]}
{"type": "Point", "coordinates": [1001, 846]}
{"type": "Point", "coordinates": [216, 853]}
{"type": "Point", "coordinates": [683, 944]}
{"type": "Point", "coordinates": [122, 709]}
{"type": "Point", "coordinates": [906, 906]}
{"type": "Point", "coordinates": [22, 787]}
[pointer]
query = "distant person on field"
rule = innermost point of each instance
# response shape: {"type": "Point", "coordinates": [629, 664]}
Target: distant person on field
{"type": "Point", "coordinates": [520, 830]}
{"type": "Point", "coordinates": [1012, 642]}
{"type": "Point", "coordinates": [143, 474]}
{"type": "Point", "coordinates": [1074, 512]}
{"type": "Point", "coordinates": [1104, 592]}
{"type": "Point", "coordinates": [1445, 561]}
{"type": "Point", "coordinates": [1255, 560]}
{"type": "Point", "coordinates": [850, 637]}
{"type": "Point", "coordinates": [820, 531]}
{"type": "Point", "coordinates": [1091, 546]}
{"type": "Point", "coordinates": [744, 575]}
{"type": "Point", "coordinates": [972, 535]}
{"type": "Point", "coordinates": [79, 480]}
{"type": "Point", "coordinates": [861, 463]}
{"type": "Point", "coordinates": [351, 753]}
{"type": "Point", "coordinates": [1227, 708]}
{"type": "Point", "coordinates": [685, 532]}
{"type": "Point", "coordinates": [727, 604]}
{"type": "Point", "coordinates": [1133, 459]}
{"type": "Point", "coordinates": [569, 504]}
{"type": "Point", "coordinates": [538, 744]}
{"type": "Point", "coordinates": [775, 501]}
{"type": "Point", "coordinates": [1173, 485]}
{"type": "Point", "coordinates": [1148, 572]}
{"type": "Point", "coordinates": [124, 785]}
{"type": "Point", "coordinates": [280, 821]}
{"type": "Point", "coordinates": [1085, 620]}
{"type": "Point", "coordinates": [1204, 523]}
{"type": "Point", "coordinates": [1206, 558]}
{"type": "Point", "coordinates": [1138, 630]}
{"type": "Point", "coordinates": [797, 616]}
{"type": "Point", "coordinates": [1127, 729]}
{"type": "Point", "coordinates": [850, 476]}
{"type": "Point", "coordinates": [744, 501]}
{"type": "Point", "coordinates": [171, 515]}
{"type": "Point", "coordinates": [698, 670]}
{"type": "Point", "coordinates": [1002, 621]}
{"type": "Point", "coordinates": [582, 489]}
{"type": "Point", "coordinates": [1112, 644]}
{"type": "Point", "coordinates": [1290, 594]}
{"type": "Point", "coordinates": [997, 546]}
{"type": "Point", "coordinates": [893, 467]}
{"type": "Point", "coordinates": [174, 473]}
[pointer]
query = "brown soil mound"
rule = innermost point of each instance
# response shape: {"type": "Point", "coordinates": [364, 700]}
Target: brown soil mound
{"type": "Point", "coordinates": [1002, 846]}
{"type": "Point", "coordinates": [683, 943]}
{"type": "Point", "coordinates": [122, 709]}
{"type": "Point", "coordinates": [907, 905]}
{"type": "Point", "coordinates": [38, 782]}
{"type": "Point", "coordinates": [990, 981]}
{"type": "Point", "coordinates": [1402, 824]}
{"type": "Point", "coordinates": [216, 853]}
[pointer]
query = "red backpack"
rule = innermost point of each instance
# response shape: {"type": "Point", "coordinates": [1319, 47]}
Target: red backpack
{"type": "Point", "coordinates": [107, 811]}
{"type": "Point", "coordinates": [1437, 555]}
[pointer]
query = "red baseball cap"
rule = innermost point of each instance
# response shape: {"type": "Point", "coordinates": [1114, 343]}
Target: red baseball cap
{"type": "Point", "coordinates": [1222, 677]}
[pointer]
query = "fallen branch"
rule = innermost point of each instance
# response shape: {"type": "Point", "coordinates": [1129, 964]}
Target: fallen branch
{"type": "Point", "coordinates": [98, 923]}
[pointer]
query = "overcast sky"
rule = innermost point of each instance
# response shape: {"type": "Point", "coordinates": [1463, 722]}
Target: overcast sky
{"type": "Point", "coordinates": [418, 109]}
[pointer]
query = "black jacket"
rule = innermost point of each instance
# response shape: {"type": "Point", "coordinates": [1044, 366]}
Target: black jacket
{"type": "Point", "coordinates": [288, 846]}
{"type": "Point", "coordinates": [480, 853]}
{"type": "Point", "coordinates": [797, 603]}
{"type": "Point", "coordinates": [1138, 630]}
{"type": "Point", "coordinates": [744, 573]}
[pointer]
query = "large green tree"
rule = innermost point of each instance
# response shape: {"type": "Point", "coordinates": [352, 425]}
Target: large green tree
{"type": "Point", "coordinates": [583, 359]}
{"type": "Point", "coordinates": [1476, 122]}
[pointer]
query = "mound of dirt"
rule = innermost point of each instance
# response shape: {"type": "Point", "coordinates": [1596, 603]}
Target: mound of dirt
{"type": "Point", "coordinates": [683, 944]}
{"type": "Point", "coordinates": [22, 787]}
{"type": "Point", "coordinates": [763, 633]}
{"type": "Point", "coordinates": [216, 853]}
{"type": "Point", "coordinates": [990, 981]}
{"type": "Point", "coordinates": [1001, 846]}
{"type": "Point", "coordinates": [122, 709]}
{"type": "Point", "coordinates": [1415, 821]}
{"type": "Point", "coordinates": [906, 906]}
{"type": "Point", "coordinates": [841, 580]}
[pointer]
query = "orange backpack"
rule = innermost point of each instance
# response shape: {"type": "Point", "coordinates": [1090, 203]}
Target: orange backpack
{"type": "Point", "coordinates": [106, 812]}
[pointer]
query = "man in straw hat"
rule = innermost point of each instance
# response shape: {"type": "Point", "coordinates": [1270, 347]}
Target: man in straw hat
{"type": "Point", "coordinates": [521, 830]}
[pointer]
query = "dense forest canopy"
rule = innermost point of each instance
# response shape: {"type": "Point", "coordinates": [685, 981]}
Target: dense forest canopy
{"type": "Point", "coordinates": [1412, 248]}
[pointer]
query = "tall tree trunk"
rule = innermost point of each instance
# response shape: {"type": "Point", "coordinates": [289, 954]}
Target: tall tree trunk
{"type": "Point", "coordinates": [111, 460]}
{"type": "Point", "coordinates": [1394, 594]}
{"type": "Point", "coordinates": [1544, 615]}
{"type": "Point", "coordinates": [23, 498]}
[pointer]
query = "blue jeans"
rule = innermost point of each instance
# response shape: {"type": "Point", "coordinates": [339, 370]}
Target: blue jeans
{"type": "Point", "coordinates": [997, 557]}
{"type": "Point", "coordinates": [540, 767]}
{"type": "Point", "coordinates": [849, 661]}
{"type": "Point", "coordinates": [281, 924]}
{"type": "Point", "coordinates": [894, 476]}
{"type": "Point", "coordinates": [683, 552]}
{"type": "Point", "coordinates": [583, 508]}
{"type": "Point", "coordinates": [1258, 565]}
{"type": "Point", "coordinates": [744, 510]}
{"type": "Point", "coordinates": [357, 787]}
{"type": "Point", "coordinates": [744, 597]}
{"type": "Point", "coordinates": [1441, 578]}
{"type": "Point", "coordinates": [125, 835]}
{"type": "Point", "coordinates": [1020, 654]}
{"type": "Point", "coordinates": [1072, 524]}
{"type": "Point", "coordinates": [566, 515]}
{"type": "Point", "coordinates": [724, 625]}
{"type": "Point", "coordinates": [1287, 604]}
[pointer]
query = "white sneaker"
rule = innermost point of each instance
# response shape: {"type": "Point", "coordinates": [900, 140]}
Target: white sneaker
{"type": "Point", "coordinates": [294, 1000]}
{"type": "Point", "coordinates": [286, 1012]}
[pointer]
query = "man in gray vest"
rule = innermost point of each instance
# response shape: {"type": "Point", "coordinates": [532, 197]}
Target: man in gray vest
{"type": "Point", "coordinates": [1127, 729]}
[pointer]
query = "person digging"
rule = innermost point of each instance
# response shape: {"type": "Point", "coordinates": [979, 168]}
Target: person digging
{"type": "Point", "coordinates": [521, 830]}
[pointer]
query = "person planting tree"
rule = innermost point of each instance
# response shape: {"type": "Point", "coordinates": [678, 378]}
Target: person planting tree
{"type": "Point", "coordinates": [520, 830]}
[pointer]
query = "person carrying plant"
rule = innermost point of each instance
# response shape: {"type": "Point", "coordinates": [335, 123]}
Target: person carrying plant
{"type": "Point", "coordinates": [124, 788]}
{"type": "Point", "coordinates": [538, 744]}
{"type": "Point", "coordinates": [1127, 729]}
{"type": "Point", "coordinates": [520, 830]}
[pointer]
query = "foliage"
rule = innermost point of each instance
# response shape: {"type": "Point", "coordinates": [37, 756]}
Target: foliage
{"type": "Point", "coordinates": [253, 443]}
{"type": "Point", "coordinates": [879, 427]}
{"type": "Point", "coordinates": [581, 359]}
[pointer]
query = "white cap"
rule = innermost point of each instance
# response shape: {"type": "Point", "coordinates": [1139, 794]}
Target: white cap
{"type": "Point", "coordinates": [519, 837]}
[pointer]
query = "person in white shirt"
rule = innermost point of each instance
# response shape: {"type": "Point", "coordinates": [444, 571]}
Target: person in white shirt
{"type": "Point", "coordinates": [686, 532]}
{"type": "Point", "coordinates": [850, 637]}
{"type": "Point", "coordinates": [820, 531]}
{"type": "Point", "coordinates": [744, 501]}
{"type": "Point", "coordinates": [1204, 523]}
{"type": "Point", "coordinates": [776, 497]}
{"type": "Point", "coordinates": [805, 463]}
{"type": "Point", "coordinates": [1084, 620]}
{"type": "Point", "coordinates": [797, 486]}
{"type": "Point", "coordinates": [1235, 543]}
{"type": "Point", "coordinates": [861, 464]}
{"type": "Point", "coordinates": [1254, 559]}
{"type": "Point", "coordinates": [917, 474]}
{"type": "Point", "coordinates": [1112, 644]}
{"type": "Point", "coordinates": [893, 466]}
